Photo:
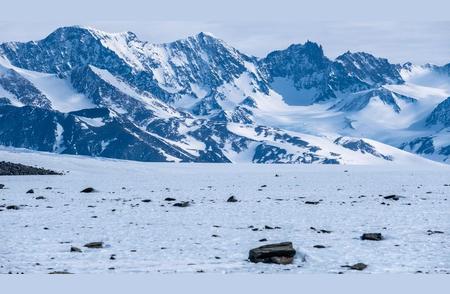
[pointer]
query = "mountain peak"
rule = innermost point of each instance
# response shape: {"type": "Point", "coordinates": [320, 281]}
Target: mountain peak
{"type": "Point", "coordinates": [206, 35]}
{"type": "Point", "coordinates": [308, 46]}
{"type": "Point", "coordinates": [79, 31]}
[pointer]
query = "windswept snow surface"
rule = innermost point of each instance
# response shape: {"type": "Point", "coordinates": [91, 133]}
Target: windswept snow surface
{"type": "Point", "coordinates": [157, 237]}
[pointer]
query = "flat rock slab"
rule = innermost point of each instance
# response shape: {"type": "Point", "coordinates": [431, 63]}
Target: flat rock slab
{"type": "Point", "coordinates": [88, 190]}
{"type": "Point", "coordinates": [372, 236]}
{"type": "Point", "coordinates": [182, 204]}
{"type": "Point", "coordinates": [280, 253]}
{"type": "Point", "coordinates": [94, 245]}
{"type": "Point", "coordinates": [358, 266]}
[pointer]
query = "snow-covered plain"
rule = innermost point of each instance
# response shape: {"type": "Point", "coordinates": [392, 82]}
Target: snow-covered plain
{"type": "Point", "coordinates": [157, 237]}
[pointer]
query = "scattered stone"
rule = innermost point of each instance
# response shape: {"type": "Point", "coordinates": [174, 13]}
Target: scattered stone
{"type": "Point", "coordinates": [319, 246]}
{"type": "Point", "coordinates": [112, 257]}
{"type": "Point", "coordinates": [312, 202]}
{"type": "Point", "coordinates": [182, 204]}
{"type": "Point", "coordinates": [372, 236]}
{"type": "Point", "coordinates": [321, 231]}
{"type": "Point", "coordinates": [232, 199]}
{"type": "Point", "coordinates": [59, 273]}
{"type": "Point", "coordinates": [40, 198]}
{"type": "Point", "coordinates": [75, 249]}
{"type": "Point", "coordinates": [263, 186]}
{"type": "Point", "coordinates": [263, 240]}
{"type": "Point", "coordinates": [48, 188]}
{"type": "Point", "coordinates": [31, 191]}
{"type": "Point", "coordinates": [215, 236]}
{"type": "Point", "coordinates": [95, 245]}
{"type": "Point", "coordinates": [12, 207]}
{"type": "Point", "coordinates": [268, 227]}
{"type": "Point", "coordinates": [358, 266]}
{"type": "Point", "coordinates": [392, 197]}
{"type": "Point", "coordinates": [88, 190]}
{"type": "Point", "coordinates": [281, 253]}
{"type": "Point", "coordinates": [170, 199]}
{"type": "Point", "coordinates": [147, 200]}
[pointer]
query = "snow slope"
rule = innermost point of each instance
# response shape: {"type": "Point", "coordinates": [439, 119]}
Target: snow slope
{"type": "Point", "coordinates": [157, 237]}
{"type": "Point", "coordinates": [59, 91]}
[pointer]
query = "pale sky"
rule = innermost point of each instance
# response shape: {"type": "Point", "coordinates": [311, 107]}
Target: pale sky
{"type": "Point", "coordinates": [417, 32]}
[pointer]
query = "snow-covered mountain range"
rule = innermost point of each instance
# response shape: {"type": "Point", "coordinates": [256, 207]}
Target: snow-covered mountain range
{"type": "Point", "coordinates": [87, 92]}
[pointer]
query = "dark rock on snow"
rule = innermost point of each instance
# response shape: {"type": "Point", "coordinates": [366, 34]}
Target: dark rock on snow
{"type": "Point", "coordinates": [94, 245]}
{"type": "Point", "coordinates": [182, 204]}
{"type": "Point", "coordinates": [281, 253]}
{"type": "Point", "coordinates": [392, 197]}
{"type": "Point", "coordinates": [88, 190]}
{"type": "Point", "coordinates": [372, 236]}
{"type": "Point", "coordinates": [13, 207]}
{"type": "Point", "coordinates": [358, 266]}
{"type": "Point", "coordinates": [232, 199]}
{"type": "Point", "coordinates": [319, 246]}
{"type": "Point", "coordinates": [59, 273]}
{"type": "Point", "coordinates": [75, 249]}
{"type": "Point", "coordinates": [430, 232]}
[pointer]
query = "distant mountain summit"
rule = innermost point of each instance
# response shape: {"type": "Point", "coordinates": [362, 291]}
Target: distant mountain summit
{"type": "Point", "coordinates": [84, 91]}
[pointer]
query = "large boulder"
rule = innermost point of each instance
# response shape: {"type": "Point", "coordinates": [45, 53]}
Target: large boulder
{"type": "Point", "coordinates": [281, 253]}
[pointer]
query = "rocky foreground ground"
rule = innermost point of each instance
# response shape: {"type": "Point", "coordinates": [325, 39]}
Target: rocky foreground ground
{"type": "Point", "coordinates": [16, 169]}
{"type": "Point", "coordinates": [116, 216]}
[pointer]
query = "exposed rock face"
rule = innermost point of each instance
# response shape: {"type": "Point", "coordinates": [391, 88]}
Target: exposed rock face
{"type": "Point", "coordinates": [281, 253]}
{"type": "Point", "coordinates": [440, 115]}
{"type": "Point", "coordinates": [16, 169]}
